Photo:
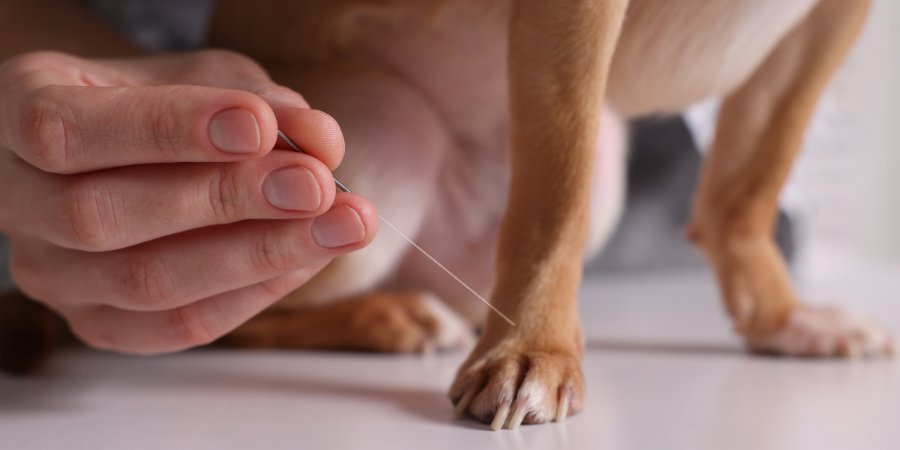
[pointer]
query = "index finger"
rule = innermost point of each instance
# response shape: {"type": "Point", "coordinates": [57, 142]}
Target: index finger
{"type": "Point", "coordinates": [70, 129]}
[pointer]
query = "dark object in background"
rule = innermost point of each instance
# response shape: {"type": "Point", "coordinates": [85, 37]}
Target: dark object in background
{"type": "Point", "coordinates": [663, 169]}
{"type": "Point", "coordinates": [29, 332]}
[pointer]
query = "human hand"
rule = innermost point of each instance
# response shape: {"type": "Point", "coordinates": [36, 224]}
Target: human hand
{"type": "Point", "coordinates": [143, 202]}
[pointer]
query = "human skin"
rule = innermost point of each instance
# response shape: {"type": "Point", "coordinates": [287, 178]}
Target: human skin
{"type": "Point", "coordinates": [146, 198]}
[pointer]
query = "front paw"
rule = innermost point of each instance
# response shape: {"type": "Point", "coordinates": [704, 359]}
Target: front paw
{"type": "Point", "coordinates": [825, 331]}
{"type": "Point", "coordinates": [510, 385]}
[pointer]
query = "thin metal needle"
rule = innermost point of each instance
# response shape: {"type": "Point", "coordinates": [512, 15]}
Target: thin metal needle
{"type": "Point", "coordinates": [297, 149]}
{"type": "Point", "coordinates": [344, 188]}
{"type": "Point", "coordinates": [422, 251]}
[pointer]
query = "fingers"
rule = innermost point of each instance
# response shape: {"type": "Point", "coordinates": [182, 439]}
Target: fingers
{"type": "Point", "coordinates": [90, 137]}
{"type": "Point", "coordinates": [188, 326]}
{"type": "Point", "coordinates": [116, 208]}
{"type": "Point", "coordinates": [178, 270]}
{"type": "Point", "coordinates": [317, 133]}
{"type": "Point", "coordinates": [123, 244]}
{"type": "Point", "coordinates": [314, 131]}
{"type": "Point", "coordinates": [70, 129]}
{"type": "Point", "coordinates": [67, 115]}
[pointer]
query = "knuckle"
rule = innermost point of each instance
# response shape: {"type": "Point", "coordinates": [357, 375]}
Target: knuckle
{"type": "Point", "coordinates": [164, 130]}
{"type": "Point", "coordinates": [273, 250]}
{"type": "Point", "coordinates": [224, 195]}
{"type": "Point", "coordinates": [147, 282]}
{"type": "Point", "coordinates": [190, 328]}
{"type": "Point", "coordinates": [47, 131]}
{"type": "Point", "coordinates": [89, 215]}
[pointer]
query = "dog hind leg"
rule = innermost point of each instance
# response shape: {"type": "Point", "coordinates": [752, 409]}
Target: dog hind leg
{"type": "Point", "coordinates": [608, 182]}
{"type": "Point", "coordinates": [381, 321]}
{"type": "Point", "coordinates": [761, 126]}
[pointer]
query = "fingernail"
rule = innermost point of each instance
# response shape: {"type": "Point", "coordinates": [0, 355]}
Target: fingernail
{"type": "Point", "coordinates": [339, 227]}
{"type": "Point", "coordinates": [234, 131]}
{"type": "Point", "coordinates": [293, 188]}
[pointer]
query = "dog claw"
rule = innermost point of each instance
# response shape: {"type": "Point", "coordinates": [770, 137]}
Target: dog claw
{"type": "Point", "coordinates": [514, 388]}
{"type": "Point", "coordinates": [500, 416]}
{"type": "Point", "coordinates": [563, 410]}
{"type": "Point", "coordinates": [464, 402]}
{"type": "Point", "coordinates": [518, 416]}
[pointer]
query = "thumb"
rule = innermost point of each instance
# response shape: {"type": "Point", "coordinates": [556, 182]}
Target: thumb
{"type": "Point", "coordinates": [314, 131]}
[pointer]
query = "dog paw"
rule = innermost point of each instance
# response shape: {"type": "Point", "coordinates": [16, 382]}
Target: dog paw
{"type": "Point", "coordinates": [506, 387]}
{"type": "Point", "coordinates": [826, 331]}
{"type": "Point", "coordinates": [408, 322]}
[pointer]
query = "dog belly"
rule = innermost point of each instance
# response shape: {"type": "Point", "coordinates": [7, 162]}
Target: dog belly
{"type": "Point", "coordinates": [671, 53]}
{"type": "Point", "coordinates": [674, 53]}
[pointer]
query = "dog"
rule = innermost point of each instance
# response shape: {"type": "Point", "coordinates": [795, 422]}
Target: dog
{"type": "Point", "coordinates": [492, 131]}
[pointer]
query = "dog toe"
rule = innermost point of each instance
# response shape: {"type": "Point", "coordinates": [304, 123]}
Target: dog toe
{"type": "Point", "coordinates": [823, 331]}
{"type": "Point", "coordinates": [510, 388]}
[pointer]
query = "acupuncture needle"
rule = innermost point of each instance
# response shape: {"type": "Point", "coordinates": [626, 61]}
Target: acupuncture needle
{"type": "Point", "coordinates": [421, 250]}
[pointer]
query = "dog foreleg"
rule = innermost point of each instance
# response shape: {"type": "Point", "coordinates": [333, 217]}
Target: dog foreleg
{"type": "Point", "coordinates": [559, 56]}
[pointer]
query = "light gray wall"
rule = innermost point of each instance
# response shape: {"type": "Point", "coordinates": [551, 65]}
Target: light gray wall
{"type": "Point", "coordinates": [850, 182]}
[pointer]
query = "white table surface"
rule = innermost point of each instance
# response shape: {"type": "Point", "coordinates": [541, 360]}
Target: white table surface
{"type": "Point", "coordinates": [663, 372]}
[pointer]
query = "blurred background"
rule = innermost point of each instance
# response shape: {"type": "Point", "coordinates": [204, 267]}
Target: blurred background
{"type": "Point", "coordinates": [840, 210]}
{"type": "Point", "coordinates": [663, 367]}
{"type": "Point", "coordinates": [848, 181]}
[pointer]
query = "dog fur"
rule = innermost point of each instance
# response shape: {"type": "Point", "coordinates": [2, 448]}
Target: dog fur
{"type": "Point", "coordinates": [492, 132]}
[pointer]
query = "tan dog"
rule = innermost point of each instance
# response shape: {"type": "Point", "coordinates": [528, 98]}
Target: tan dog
{"type": "Point", "coordinates": [449, 105]}
{"type": "Point", "coordinates": [475, 126]}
